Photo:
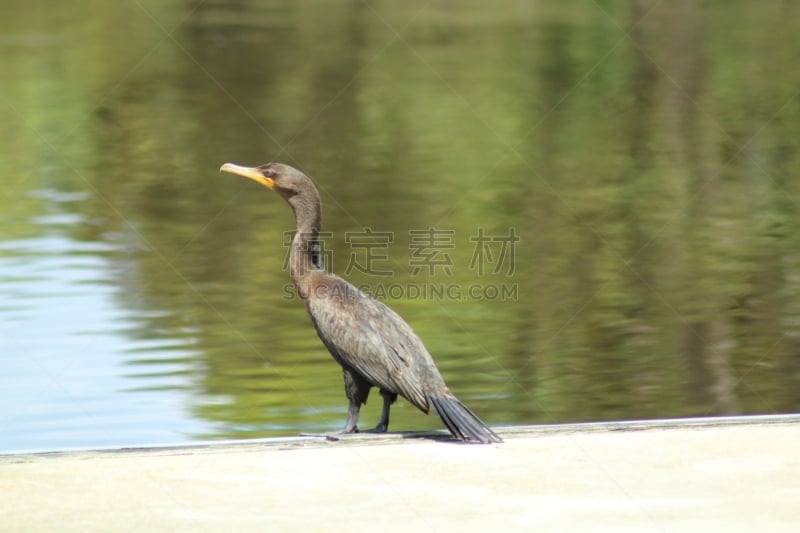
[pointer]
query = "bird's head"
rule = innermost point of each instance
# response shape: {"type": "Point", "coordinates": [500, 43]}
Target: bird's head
{"type": "Point", "coordinates": [294, 186]}
{"type": "Point", "coordinates": [283, 179]}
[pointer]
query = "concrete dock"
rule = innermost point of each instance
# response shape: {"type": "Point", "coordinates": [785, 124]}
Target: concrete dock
{"type": "Point", "coordinates": [728, 474]}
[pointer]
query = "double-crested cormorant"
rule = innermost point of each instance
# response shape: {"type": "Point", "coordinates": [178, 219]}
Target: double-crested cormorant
{"type": "Point", "coordinates": [372, 343]}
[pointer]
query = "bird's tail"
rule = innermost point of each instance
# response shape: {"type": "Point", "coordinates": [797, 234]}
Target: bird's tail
{"type": "Point", "coordinates": [461, 422]}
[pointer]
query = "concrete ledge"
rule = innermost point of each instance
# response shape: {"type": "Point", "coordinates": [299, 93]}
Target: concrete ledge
{"type": "Point", "coordinates": [727, 474]}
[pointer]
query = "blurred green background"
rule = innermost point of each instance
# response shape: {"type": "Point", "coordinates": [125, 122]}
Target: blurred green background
{"type": "Point", "coordinates": [645, 153]}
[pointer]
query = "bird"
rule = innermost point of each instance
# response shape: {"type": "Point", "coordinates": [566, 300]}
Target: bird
{"type": "Point", "coordinates": [373, 344]}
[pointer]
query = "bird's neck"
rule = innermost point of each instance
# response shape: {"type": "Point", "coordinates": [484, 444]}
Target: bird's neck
{"type": "Point", "coordinates": [305, 257]}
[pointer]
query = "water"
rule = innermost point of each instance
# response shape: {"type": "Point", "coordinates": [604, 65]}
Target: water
{"type": "Point", "coordinates": [645, 157]}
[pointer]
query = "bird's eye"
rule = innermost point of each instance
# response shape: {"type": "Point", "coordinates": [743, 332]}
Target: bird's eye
{"type": "Point", "coordinates": [268, 173]}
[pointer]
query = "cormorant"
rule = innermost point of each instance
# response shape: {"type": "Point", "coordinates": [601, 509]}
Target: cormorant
{"type": "Point", "coordinates": [374, 346]}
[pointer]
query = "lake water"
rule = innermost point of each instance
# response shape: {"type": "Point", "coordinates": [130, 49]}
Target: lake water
{"type": "Point", "coordinates": [588, 211]}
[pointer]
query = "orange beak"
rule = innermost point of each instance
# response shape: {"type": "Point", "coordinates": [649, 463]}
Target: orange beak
{"type": "Point", "coordinates": [248, 172]}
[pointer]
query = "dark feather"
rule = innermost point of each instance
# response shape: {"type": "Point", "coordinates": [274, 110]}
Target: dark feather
{"type": "Point", "coordinates": [367, 336]}
{"type": "Point", "coordinates": [461, 421]}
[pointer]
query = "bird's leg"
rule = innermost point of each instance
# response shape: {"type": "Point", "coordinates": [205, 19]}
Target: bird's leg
{"type": "Point", "coordinates": [388, 400]}
{"type": "Point", "coordinates": [357, 390]}
{"type": "Point", "coordinates": [351, 426]}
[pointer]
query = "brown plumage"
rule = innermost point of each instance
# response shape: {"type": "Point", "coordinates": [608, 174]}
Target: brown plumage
{"type": "Point", "coordinates": [374, 346]}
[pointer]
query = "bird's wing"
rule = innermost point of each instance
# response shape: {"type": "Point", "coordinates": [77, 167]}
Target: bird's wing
{"type": "Point", "coordinates": [373, 340]}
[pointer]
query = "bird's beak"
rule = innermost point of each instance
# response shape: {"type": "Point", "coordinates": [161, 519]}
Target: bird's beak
{"type": "Point", "coordinates": [248, 172]}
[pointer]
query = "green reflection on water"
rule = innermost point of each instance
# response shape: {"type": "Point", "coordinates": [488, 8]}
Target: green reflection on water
{"type": "Point", "coordinates": [646, 156]}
